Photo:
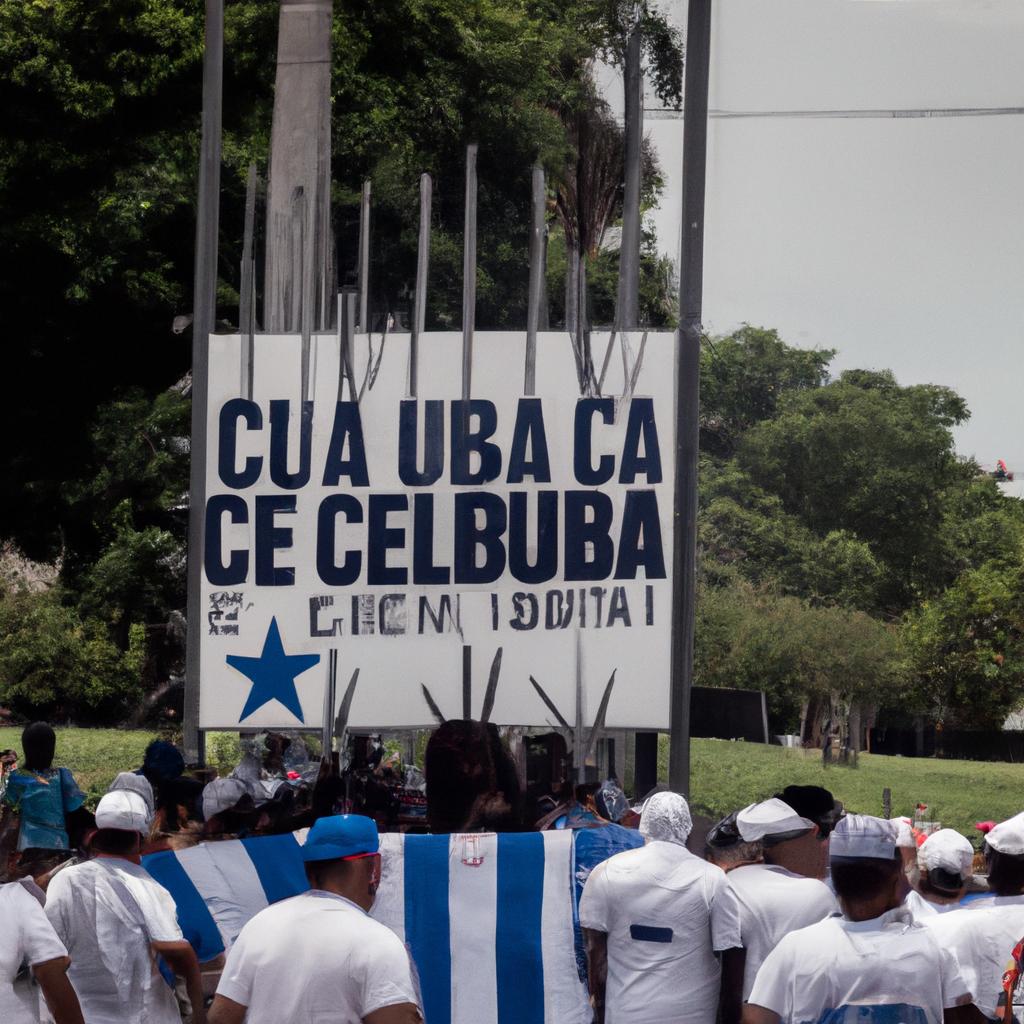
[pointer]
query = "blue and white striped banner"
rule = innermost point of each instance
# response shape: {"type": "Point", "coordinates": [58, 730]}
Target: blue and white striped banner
{"type": "Point", "coordinates": [488, 918]}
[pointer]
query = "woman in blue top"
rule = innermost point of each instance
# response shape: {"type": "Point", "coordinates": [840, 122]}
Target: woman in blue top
{"type": "Point", "coordinates": [44, 797]}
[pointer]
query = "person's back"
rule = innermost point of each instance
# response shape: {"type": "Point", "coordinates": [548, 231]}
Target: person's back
{"type": "Point", "coordinates": [772, 903]}
{"type": "Point", "coordinates": [871, 965]}
{"type": "Point", "coordinates": [885, 969]}
{"type": "Point", "coordinates": [107, 912]}
{"type": "Point", "coordinates": [665, 912]}
{"type": "Point", "coordinates": [314, 957]}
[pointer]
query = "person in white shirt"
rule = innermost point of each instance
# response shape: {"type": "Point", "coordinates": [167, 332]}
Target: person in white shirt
{"type": "Point", "coordinates": [773, 900]}
{"type": "Point", "coordinates": [944, 863]}
{"type": "Point", "coordinates": [873, 964]}
{"type": "Point", "coordinates": [27, 939]}
{"type": "Point", "coordinates": [319, 957]}
{"type": "Point", "coordinates": [653, 919]}
{"type": "Point", "coordinates": [118, 924]}
{"type": "Point", "coordinates": [983, 934]}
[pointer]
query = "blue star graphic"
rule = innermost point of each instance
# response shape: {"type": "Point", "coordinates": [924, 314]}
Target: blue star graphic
{"type": "Point", "coordinates": [273, 674]}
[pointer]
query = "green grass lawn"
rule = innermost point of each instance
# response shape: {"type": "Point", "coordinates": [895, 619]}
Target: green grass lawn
{"type": "Point", "coordinates": [725, 775]}
{"type": "Point", "coordinates": [94, 756]}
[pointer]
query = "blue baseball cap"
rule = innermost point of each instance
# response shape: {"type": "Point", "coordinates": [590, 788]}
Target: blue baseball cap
{"type": "Point", "coordinates": [341, 837]}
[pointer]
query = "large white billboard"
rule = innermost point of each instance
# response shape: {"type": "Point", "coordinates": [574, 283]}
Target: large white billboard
{"type": "Point", "coordinates": [416, 537]}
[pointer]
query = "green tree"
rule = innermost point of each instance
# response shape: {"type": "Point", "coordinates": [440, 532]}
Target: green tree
{"type": "Point", "coordinates": [964, 649]}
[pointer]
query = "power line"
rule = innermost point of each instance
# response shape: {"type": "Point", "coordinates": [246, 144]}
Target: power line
{"type": "Point", "coordinates": [666, 114]}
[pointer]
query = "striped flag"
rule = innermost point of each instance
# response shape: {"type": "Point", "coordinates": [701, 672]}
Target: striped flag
{"type": "Point", "coordinates": [488, 918]}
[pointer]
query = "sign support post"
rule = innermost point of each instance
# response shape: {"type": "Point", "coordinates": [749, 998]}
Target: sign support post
{"type": "Point", "coordinates": [691, 284]}
{"type": "Point", "coordinates": [204, 316]}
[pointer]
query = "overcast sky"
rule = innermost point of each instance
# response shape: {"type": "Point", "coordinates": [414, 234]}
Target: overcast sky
{"type": "Point", "coordinates": [899, 242]}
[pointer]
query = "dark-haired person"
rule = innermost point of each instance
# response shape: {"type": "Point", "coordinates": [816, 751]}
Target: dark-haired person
{"type": "Point", "coordinates": [46, 799]}
{"type": "Point", "coordinates": [944, 861]}
{"type": "Point", "coordinates": [320, 957]}
{"type": "Point", "coordinates": [725, 848]}
{"type": "Point", "coordinates": [773, 899]}
{"type": "Point", "coordinates": [116, 921]}
{"type": "Point", "coordinates": [873, 963]}
{"type": "Point", "coordinates": [817, 804]}
{"type": "Point", "coordinates": [984, 934]}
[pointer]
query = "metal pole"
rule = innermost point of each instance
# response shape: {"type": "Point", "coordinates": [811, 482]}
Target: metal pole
{"type": "Point", "coordinates": [364, 257]}
{"type": "Point", "coordinates": [419, 312]}
{"type": "Point", "coordinates": [628, 300]}
{"type": "Point", "coordinates": [691, 282]}
{"type": "Point", "coordinates": [536, 279]}
{"type": "Point", "coordinates": [469, 273]}
{"type": "Point", "coordinates": [205, 311]}
{"type": "Point", "coordinates": [247, 285]}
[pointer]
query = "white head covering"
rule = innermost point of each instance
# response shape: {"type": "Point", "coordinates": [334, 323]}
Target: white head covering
{"type": "Point", "coordinates": [666, 816]}
{"type": "Point", "coordinates": [221, 795]}
{"type": "Point", "coordinates": [770, 818]}
{"type": "Point", "coordinates": [123, 810]}
{"type": "Point", "coordinates": [904, 833]}
{"type": "Point", "coordinates": [947, 850]}
{"type": "Point", "coordinates": [1008, 836]}
{"type": "Point", "coordinates": [133, 783]}
{"type": "Point", "coordinates": [861, 835]}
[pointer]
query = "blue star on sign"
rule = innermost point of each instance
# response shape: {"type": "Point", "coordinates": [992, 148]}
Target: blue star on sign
{"type": "Point", "coordinates": [273, 674]}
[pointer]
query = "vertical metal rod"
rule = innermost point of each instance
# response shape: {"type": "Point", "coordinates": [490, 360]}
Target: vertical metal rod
{"type": "Point", "coordinates": [467, 682]}
{"type": "Point", "coordinates": [347, 307]}
{"type": "Point", "coordinates": [536, 279]}
{"type": "Point", "coordinates": [247, 286]}
{"type": "Point", "coordinates": [205, 312]}
{"type": "Point", "coordinates": [469, 273]}
{"type": "Point", "coordinates": [627, 305]}
{"type": "Point", "coordinates": [364, 257]}
{"type": "Point", "coordinates": [684, 554]}
{"type": "Point", "coordinates": [419, 312]}
{"type": "Point", "coordinates": [308, 271]}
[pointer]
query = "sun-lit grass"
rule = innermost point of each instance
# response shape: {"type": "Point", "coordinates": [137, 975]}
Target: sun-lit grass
{"type": "Point", "coordinates": [728, 775]}
{"type": "Point", "coordinates": [725, 775]}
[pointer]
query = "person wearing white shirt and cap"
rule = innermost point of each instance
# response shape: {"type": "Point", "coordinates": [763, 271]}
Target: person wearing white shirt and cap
{"type": "Point", "coordinates": [944, 860]}
{"type": "Point", "coordinates": [773, 900]}
{"type": "Point", "coordinates": [654, 918]}
{"type": "Point", "coordinates": [871, 965]}
{"type": "Point", "coordinates": [983, 934]}
{"type": "Point", "coordinates": [320, 957]}
{"type": "Point", "coordinates": [116, 921]}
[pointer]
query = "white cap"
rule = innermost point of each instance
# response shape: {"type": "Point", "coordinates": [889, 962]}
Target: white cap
{"type": "Point", "coordinates": [904, 833]}
{"type": "Point", "coordinates": [861, 835]}
{"type": "Point", "coordinates": [1008, 836]}
{"type": "Point", "coordinates": [130, 782]}
{"type": "Point", "coordinates": [947, 850]}
{"type": "Point", "coordinates": [221, 795]}
{"type": "Point", "coordinates": [666, 816]}
{"type": "Point", "coordinates": [770, 818]}
{"type": "Point", "coordinates": [123, 810]}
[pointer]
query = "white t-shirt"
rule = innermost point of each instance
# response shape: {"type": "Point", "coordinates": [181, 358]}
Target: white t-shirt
{"type": "Point", "coordinates": [665, 912]}
{"type": "Point", "coordinates": [774, 902]}
{"type": "Point", "coordinates": [921, 908]}
{"type": "Point", "coordinates": [881, 971]}
{"type": "Point", "coordinates": [107, 912]}
{"type": "Point", "coordinates": [316, 958]}
{"type": "Point", "coordinates": [983, 942]}
{"type": "Point", "coordinates": [26, 936]}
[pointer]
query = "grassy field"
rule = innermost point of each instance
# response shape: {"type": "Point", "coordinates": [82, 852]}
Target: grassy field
{"type": "Point", "coordinates": [725, 775]}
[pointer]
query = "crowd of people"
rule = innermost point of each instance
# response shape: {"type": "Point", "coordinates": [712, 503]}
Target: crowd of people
{"type": "Point", "coordinates": [790, 909]}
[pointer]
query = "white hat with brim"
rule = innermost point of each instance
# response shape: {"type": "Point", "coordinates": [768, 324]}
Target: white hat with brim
{"type": "Point", "coordinates": [946, 850]}
{"type": "Point", "coordinates": [863, 836]}
{"type": "Point", "coordinates": [1008, 836]}
{"type": "Point", "coordinates": [770, 818]}
{"type": "Point", "coordinates": [124, 811]}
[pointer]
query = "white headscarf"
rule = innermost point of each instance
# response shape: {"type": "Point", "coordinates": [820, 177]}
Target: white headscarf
{"type": "Point", "coordinates": [666, 816]}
